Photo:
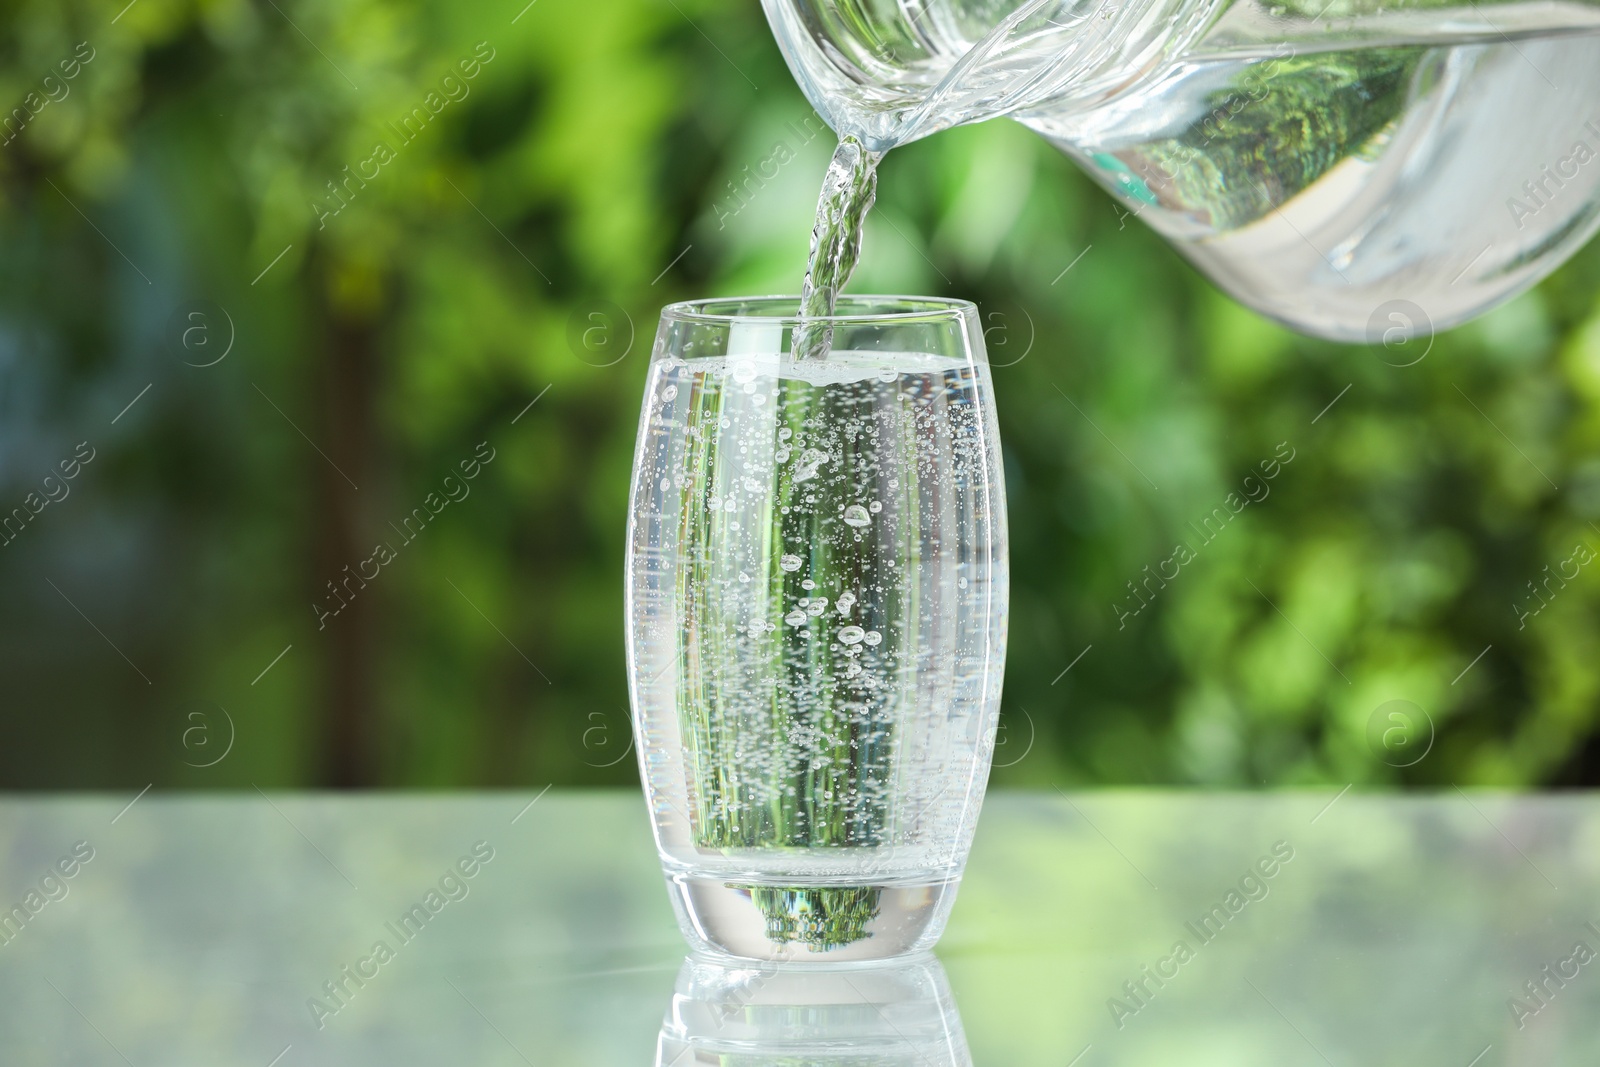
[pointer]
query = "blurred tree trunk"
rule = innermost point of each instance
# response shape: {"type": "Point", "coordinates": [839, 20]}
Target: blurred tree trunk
{"type": "Point", "coordinates": [347, 386]}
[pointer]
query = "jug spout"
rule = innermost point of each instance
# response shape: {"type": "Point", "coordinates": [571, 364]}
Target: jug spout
{"type": "Point", "coordinates": [886, 74]}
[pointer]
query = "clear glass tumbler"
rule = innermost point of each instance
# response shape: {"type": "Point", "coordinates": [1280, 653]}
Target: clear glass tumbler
{"type": "Point", "coordinates": [817, 591]}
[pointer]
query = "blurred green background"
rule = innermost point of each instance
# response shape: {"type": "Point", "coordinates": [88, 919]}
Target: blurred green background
{"type": "Point", "coordinates": [369, 320]}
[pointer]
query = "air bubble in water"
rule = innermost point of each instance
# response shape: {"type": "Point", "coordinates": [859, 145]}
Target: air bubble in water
{"type": "Point", "coordinates": [875, 507]}
{"type": "Point", "coordinates": [669, 394]}
{"type": "Point", "coordinates": [808, 584]}
{"type": "Point", "coordinates": [810, 460]}
{"type": "Point", "coordinates": [795, 618]}
{"type": "Point", "coordinates": [817, 606]}
{"type": "Point", "coordinates": [856, 515]}
{"type": "Point", "coordinates": [872, 637]}
{"type": "Point", "coordinates": [789, 563]}
{"type": "Point", "coordinates": [847, 600]}
{"type": "Point", "coordinates": [852, 635]}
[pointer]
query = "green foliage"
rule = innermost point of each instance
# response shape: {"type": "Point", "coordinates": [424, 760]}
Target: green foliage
{"type": "Point", "coordinates": [586, 167]}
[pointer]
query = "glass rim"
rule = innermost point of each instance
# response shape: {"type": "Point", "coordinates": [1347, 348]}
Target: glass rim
{"type": "Point", "coordinates": [913, 309]}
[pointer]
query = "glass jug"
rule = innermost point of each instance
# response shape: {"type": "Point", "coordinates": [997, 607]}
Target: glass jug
{"type": "Point", "coordinates": [1346, 167]}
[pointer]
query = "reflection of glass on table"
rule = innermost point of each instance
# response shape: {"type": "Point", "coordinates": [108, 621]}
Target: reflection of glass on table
{"type": "Point", "coordinates": [760, 1013]}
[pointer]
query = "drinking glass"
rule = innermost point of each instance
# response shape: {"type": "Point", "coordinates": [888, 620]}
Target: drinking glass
{"type": "Point", "coordinates": [816, 594]}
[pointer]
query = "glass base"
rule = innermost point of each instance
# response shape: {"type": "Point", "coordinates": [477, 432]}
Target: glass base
{"type": "Point", "coordinates": [820, 923]}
